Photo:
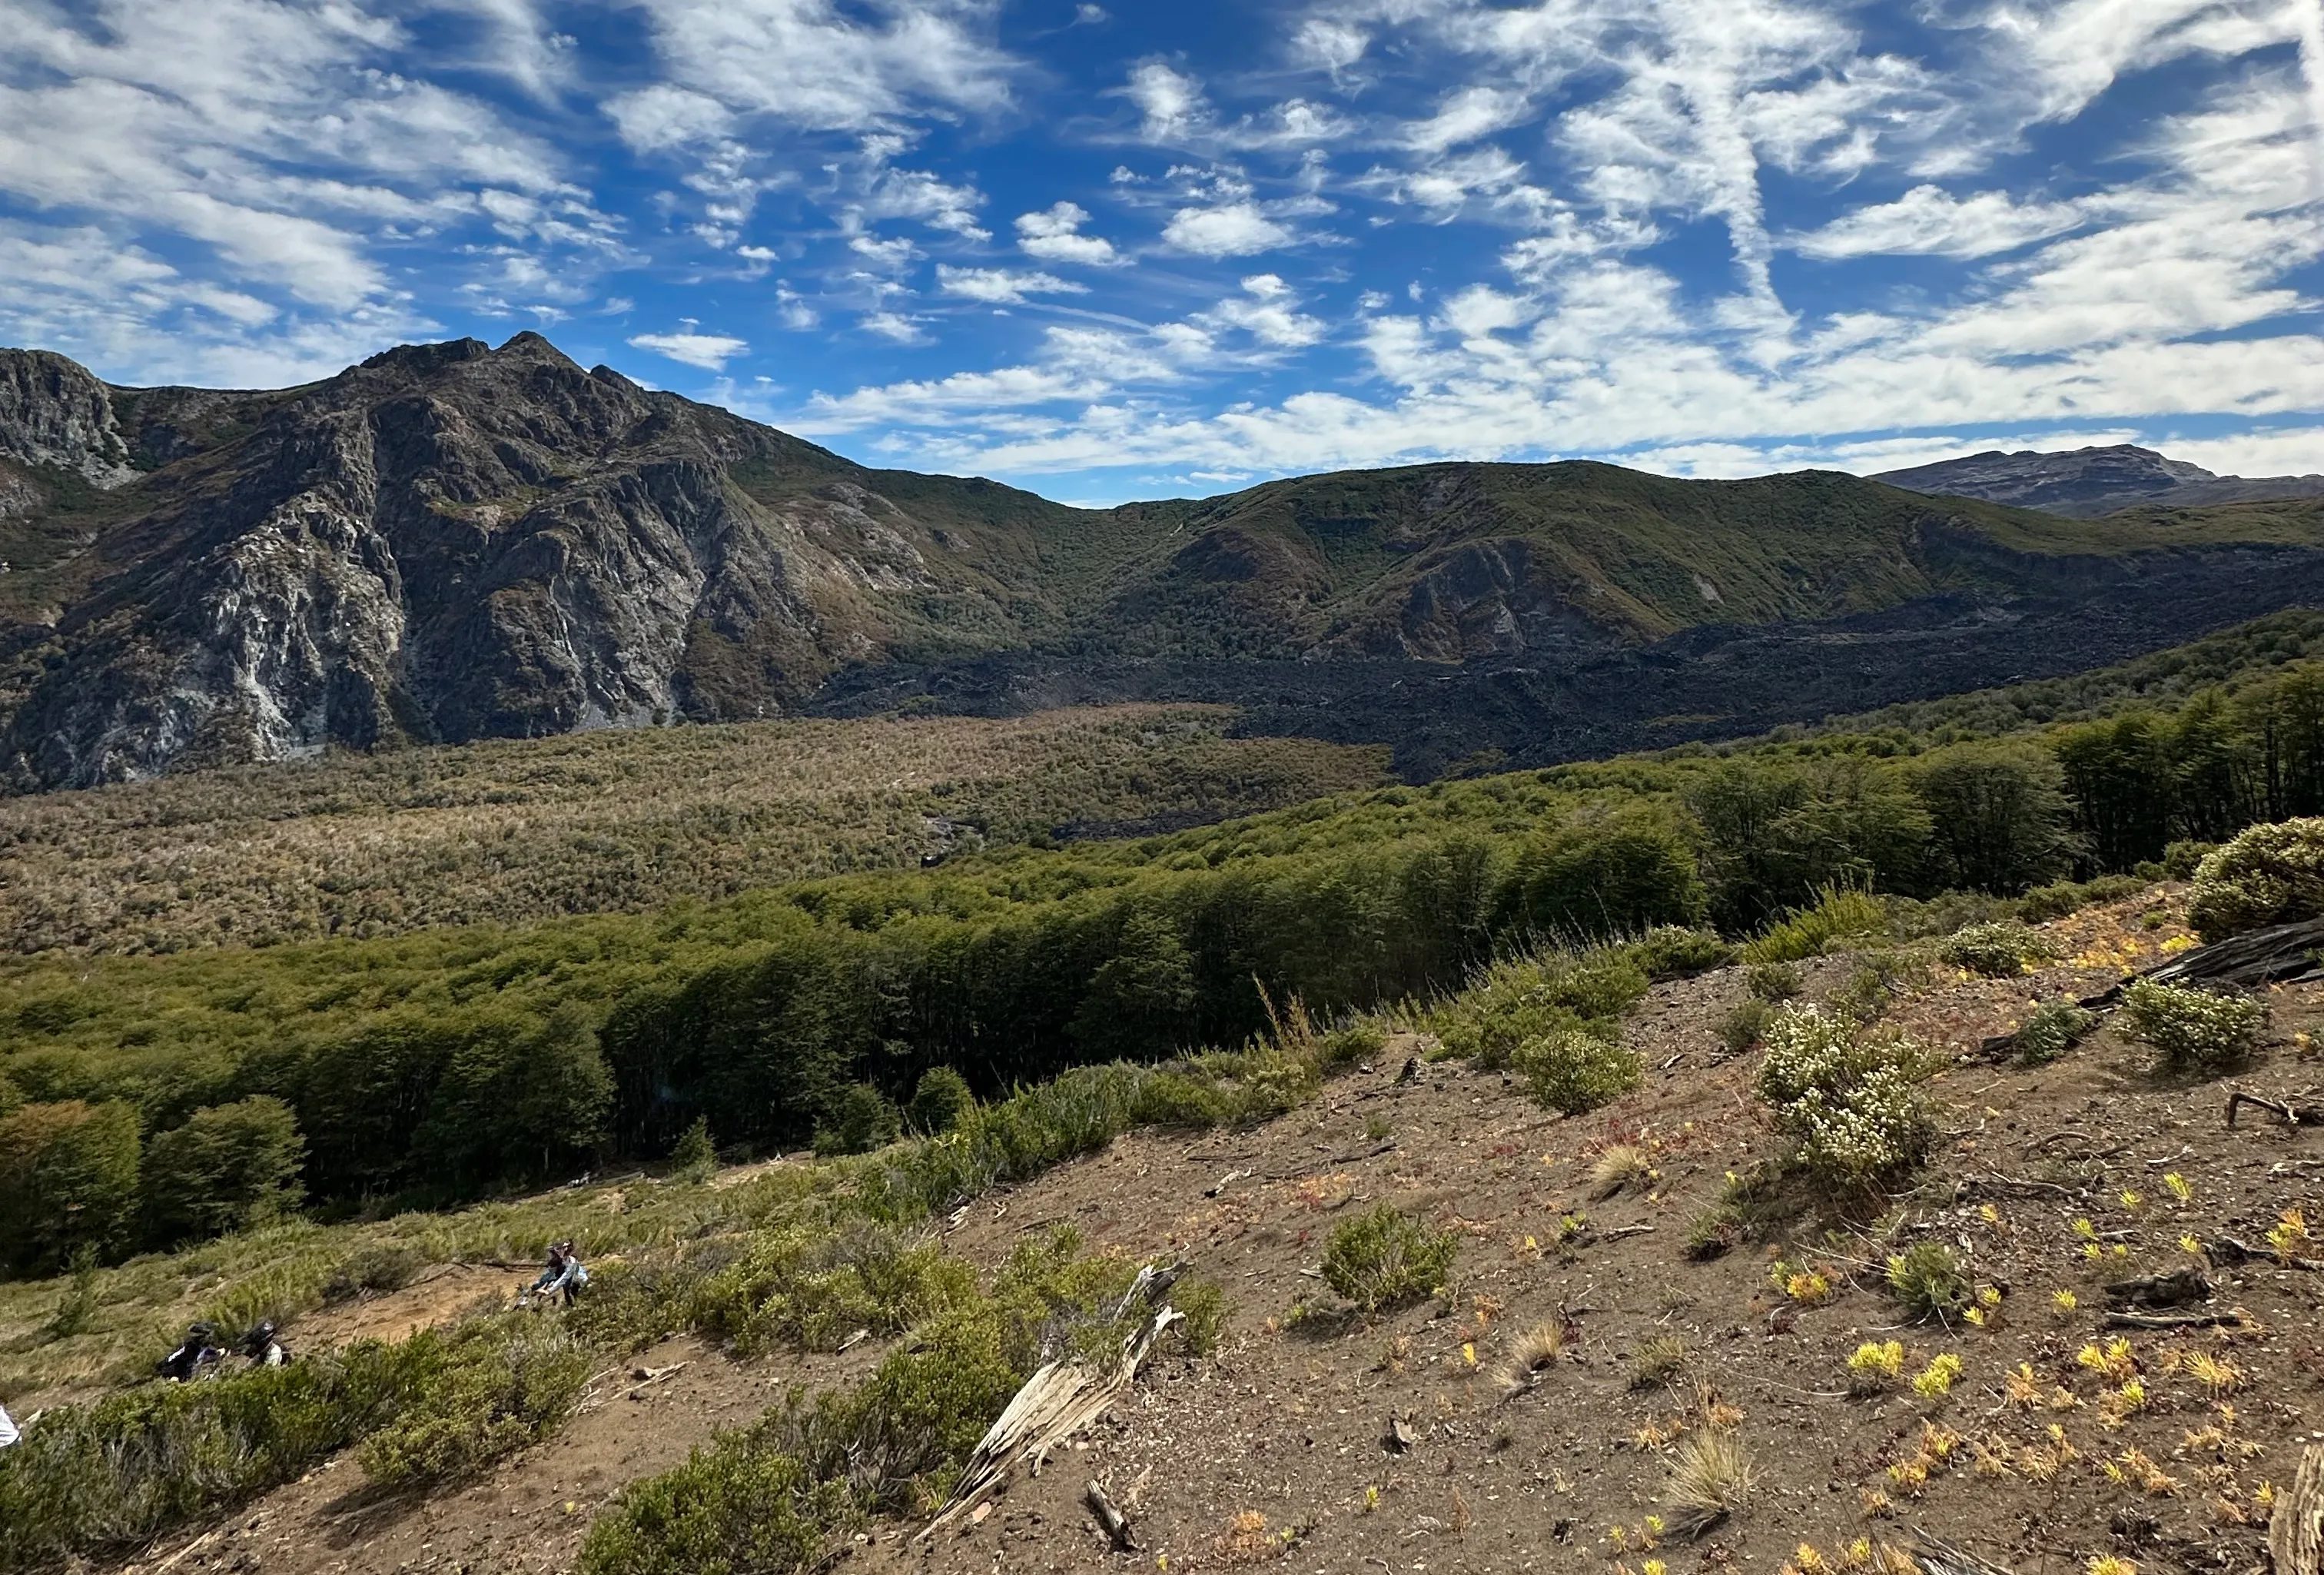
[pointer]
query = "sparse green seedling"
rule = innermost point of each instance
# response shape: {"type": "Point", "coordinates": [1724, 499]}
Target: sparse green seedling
{"type": "Point", "coordinates": [1376, 1128]}
{"type": "Point", "coordinates": [1658, 1362]}
{"type": "Point", "coordinates": [1774, 981]}
{"type": "Point", "coordinates": [2055, 1028]}
{"type": "Point", "coordinates": [1927, 1281]}
{"type": "Point", "coordinates": [1875, 1366]}
{"type": "Point", "coordinates": [1739, 1029]}
{"type": "Point", "coordinates": [1384, 1256]}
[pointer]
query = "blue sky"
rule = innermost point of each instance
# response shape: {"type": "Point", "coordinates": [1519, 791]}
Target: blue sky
{"type": "Point", "coordinates": [1111, 251]}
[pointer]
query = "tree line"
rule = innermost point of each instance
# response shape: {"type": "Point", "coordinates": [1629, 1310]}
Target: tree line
{"type": "Point", "coordinates": [812, 1011]}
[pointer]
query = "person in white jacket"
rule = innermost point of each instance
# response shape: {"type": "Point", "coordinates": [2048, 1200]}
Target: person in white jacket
{"type": "Point", "coordinates": [8, 1433]}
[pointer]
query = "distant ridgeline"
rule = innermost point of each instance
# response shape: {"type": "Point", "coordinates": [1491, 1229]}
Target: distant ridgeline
{"type": "Point", "coordinates": [457, 541]}
{"type": "Point", "coordinates": [440, 1065]}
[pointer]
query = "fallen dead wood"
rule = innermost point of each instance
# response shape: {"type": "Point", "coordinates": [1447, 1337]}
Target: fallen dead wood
{"type": "Point", "coordinates": [2293, 1115]}
{"type": "Point", "coordinates": [2172, 1319]}
{"type": "Point", "coordinates": [1115, 1523]}
{"type": "Point", "coordinates": [2228, 1249]}
{"type": "Point", "coordinates": [2278, 953]}
{"type": "Point", "coordinates": [2295, 1532]}
{"type": "Point", "coordinates": [1937, 1556]}
{"type": "Point", "coordinates": [2175, 1289]}
{"type": "Point", "coordinates": [1056, 1402]}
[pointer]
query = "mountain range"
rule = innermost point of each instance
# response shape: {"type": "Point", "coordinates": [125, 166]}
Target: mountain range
{"type": "Point", "coordinates": [453, 541]}
{"type": "Point", "coordinates": [2089, 482]}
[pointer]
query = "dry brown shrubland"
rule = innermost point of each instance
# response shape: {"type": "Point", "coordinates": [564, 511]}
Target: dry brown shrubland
{"type": "Point", "coordinates": [508, 832]}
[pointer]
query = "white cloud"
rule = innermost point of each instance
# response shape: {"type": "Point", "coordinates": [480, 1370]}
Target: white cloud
{"type": "Point", "coordinates": [1054, 236]}
{"type": "Point", "coordinates": [1929, 220]}
{"type": "Point", "coordinates": [809, 64]}
{"type": "Point", "coordinates": [999, 286]}
{"type": "Point", "coordinates": [1171, 101]}
{"type": "Point", "coordinates": [2278, 451]}
{"type": "Point", "coordinates": [1467, 115]}
{"type": "Point", "coordinates": [1328, 45]}
{"type": "Point", "coordinates": [1231, 229]}
{"type": "Point", "coordinates": [1268, 310]}
{"type": "Point", "coordinates": [710, 352]}
{"type": "Point", "coordinates": [894, 326]}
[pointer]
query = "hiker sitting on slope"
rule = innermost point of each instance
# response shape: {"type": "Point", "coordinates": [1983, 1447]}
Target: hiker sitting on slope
{"type": "Point", "coordinates": [197, 1353]}
{"type": "Point", "coordinates": [262, 1347]}
{"type": "Point", "coordinates": [564, 1275]}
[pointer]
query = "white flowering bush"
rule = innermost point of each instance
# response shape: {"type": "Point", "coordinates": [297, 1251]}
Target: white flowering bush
{"type": "Point", "coordinates": [2270, 875]}
{"type": "Point", "coordinates": [2192, 1031]}
{"type": "Point", "coordinates": [1849, 1102]}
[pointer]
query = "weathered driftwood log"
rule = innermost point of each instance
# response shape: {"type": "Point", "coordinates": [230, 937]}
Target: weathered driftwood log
{"type": "Point", "coordinates": [2175, 1289]}
{"type": "Point", "coordinates": [2171, 1320]}
{"type": "Point", "coordinates": [2228, 1250]}
{"type": "Point", "coordinates": [2295, 1533]}
{"type": "Point", "coordinates": [1056, 1402]}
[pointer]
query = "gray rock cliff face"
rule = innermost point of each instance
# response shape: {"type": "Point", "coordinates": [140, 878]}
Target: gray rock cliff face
{"type": "Point", "coordinates": [449, 541]}
{"type": "Point", "coordinates": [55, 412]}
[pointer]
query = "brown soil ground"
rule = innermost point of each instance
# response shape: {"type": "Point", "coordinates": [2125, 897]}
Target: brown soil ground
{"type": "Point", "coordinates": [1272, 1452]}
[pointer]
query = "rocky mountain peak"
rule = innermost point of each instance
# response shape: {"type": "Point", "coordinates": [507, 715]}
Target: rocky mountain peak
{"type": "Point", "coordinates": [55, 412]}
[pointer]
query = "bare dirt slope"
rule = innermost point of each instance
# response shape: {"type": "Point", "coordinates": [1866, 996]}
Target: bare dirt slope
{"type": "Point", "coordinates": [1274, 1451]}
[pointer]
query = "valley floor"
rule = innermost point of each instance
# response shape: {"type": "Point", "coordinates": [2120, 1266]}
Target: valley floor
{"type": "Point", "coordinates": [1274, 1451]}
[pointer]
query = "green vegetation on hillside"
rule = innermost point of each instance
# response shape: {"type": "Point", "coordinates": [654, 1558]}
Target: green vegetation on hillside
{"type": "Point", "coordinates": [443, 1064]}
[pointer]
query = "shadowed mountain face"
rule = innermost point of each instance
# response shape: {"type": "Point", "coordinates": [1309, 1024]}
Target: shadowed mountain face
{"type": "Point", "coordinates": [2091, 482]}
{"type": "Point", "coordinates": [453, 541]}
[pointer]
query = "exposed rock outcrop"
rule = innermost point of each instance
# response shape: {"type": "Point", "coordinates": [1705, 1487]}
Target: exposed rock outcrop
{"type": "Point", "coordinates": [55, 412]}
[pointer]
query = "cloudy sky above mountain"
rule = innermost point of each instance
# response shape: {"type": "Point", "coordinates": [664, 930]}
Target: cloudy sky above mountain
{"type": "Point", "coordinates": [1111, 250]}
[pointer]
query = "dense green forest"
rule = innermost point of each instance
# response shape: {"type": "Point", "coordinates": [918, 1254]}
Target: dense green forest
{"type": "Point", "coordinates": [440, 1065]}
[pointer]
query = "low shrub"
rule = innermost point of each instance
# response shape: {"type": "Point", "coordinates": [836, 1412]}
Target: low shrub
{"type": "Point", "coordinates": [1574, 1069]}
{"type": "Point", "coordinates": [2052, 1029]}
{"type": "Point", "coordinates": [1871, 985]}
{"type": "Point", "coordinates": [503, 1382]}
{"type": "Point", "coordinates": [1741, 1027]}
{"type": "Point", "coordinates": [696, 1157]}
{"type": "Point", "coordinates": [939, 1101]}
{"type": "Point", "coordinates": [95, 1478]}
{"type": "Point", "coordinates": [859, 1118]}
{"type": "Point", "coordinates": [1384, 1256]}
{"type": "Point", "coordinates": [1672, 951]}
{"type": "Point", "coordinates": [2269, 874]}
{"type": "Point", "coordinates": [373, 1271]}
{"type": "Point", "coordinates": [1534, 998]}
{"type": "Point", "coordinates": [2192, 1031]}
{"type": "Point", "coordinates": [777, 1498]}
{"type": "Point", "coordinates": [2181, 860]}
{"type": "Point", "coordinates": [1927, 1281]}
{"type": "Point", "coordinates": [1750, 1207]}
{"type": "Point", "coordinates": [1998, 950]}
{"type": "Point", "coordinates": [1774, 981]}
{"type": "Point", "coordinates": [2061, 898]}
{"type": "Point", "coordinates": [1840, 914]}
